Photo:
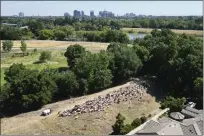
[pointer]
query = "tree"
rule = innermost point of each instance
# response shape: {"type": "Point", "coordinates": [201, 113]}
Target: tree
{"type": "Point", "coordinates": [28, 90]}
{"type": "Point", "coordinates": [23, 46]}
{"type": "Point", "coordinates": [143, 119]}
{"type": "Point", "coordinates": [13, 71]}
{"type": "Point", "coordinates": [60, 35]}
{"type": "Point", "coordinates": [92, 71]}
{"type": "Point", "coordinates": [174, 104]}
{"type": "Point", "coordinates": [67, 85]}
{"type": "Point", "coordinates": [7, 45]}
{"type": "Point", "coordinates": [46, 34]}
{"type": "Point", "coordinates": [73, 52]}
{"type": "Point", "coordinates": [119, 124]}
{"type": "Point", "coordinates": [136, 122]}
{"type": "Point", "coordinates": [44, 56]}
{"type": "Point", "coordinates": [198, 91]}
{"type": "Point", "coordinates": [126, 129]}
{"type": "Point", "coordinates": [124, 64]}
{"type": "Point", "coordinates": [142, 52]}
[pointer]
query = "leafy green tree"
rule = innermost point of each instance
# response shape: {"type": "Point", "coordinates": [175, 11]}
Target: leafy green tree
{"type": "Point", "coordinates": [44, 56]}
{"type": "Point", "coordinates": [126, 129]}
{"type": "Point", "coordinates": [67, 85]}
{"type": "Point", "coordinates": [28, 90]}
{"type": "Point", "coordinates": [142, 52]}
{"type": "Point", "coordinates": [60, 35]}
{"type": "Point", "coordinates": [136, 122]}
{"type": "Point", "coordinates": [13, 71]}
{"type": "Point", "coordinates": [143, 119]}
{"type": "Point", "coordinates": [93, 73]}
{"type": "Point", "coordinates": [124, 64]}
{"type": "Point", "coordinates": [46, 34]}
{"type": "Point", "coordinates": [174, 104]}
{"type": "Point", "coordinates": [198, 91]}
{"type": "Point", "coordinates": [23, 46]}
{"type": "Point", "coordinates": [10, 33]}
{"type": "Point", "coordinates": [7, 45]}
{"type": "Point", "coordinates": [73, 52]}
{"type": "Point", "coordinates": [35, 27]}
{"type": "Point", "coordinates": [119, 124]}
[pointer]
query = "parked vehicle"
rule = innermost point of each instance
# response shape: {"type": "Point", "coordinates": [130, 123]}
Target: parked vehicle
{"type": "Point", "coordinates": [46, 112]}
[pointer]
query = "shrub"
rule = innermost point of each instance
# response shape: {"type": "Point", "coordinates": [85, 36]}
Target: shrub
{"type": "Point", "coordinates": [174, 104]}
{"type": "Point", "coordinates": [119, 124]}
{"type": "Point", "coordinates": [28, 90]}
{"type": "Point", "coordinates": [44, 56]}
{"type": "Point", "coordinates": [23, 46]}
{"type": "Point", "coordinates": [136, 122]}
{"type": "Point", "coordinates": [143, 119]}
{"type": "Point", "coordinates": [7, 45]}
{"type": "Point", "coordinates": [126, 129]}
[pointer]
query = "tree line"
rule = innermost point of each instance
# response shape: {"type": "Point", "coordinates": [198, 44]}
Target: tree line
{"type": "Point", "coordinates": [64, 33]}
{"type": "Point", "coordinates": [69, 28]}
{"type": "Point", "coordinates": [176, 61]}
{"type": "Point", "coordinates": [93, 24]}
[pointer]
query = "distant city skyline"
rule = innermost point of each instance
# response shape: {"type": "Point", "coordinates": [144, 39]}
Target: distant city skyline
{"type": "Point", "coordinates": [54, 8]}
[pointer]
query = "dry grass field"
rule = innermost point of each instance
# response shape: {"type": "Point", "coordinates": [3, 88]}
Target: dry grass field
{"type": "Point", "coordinates": [86, 124]}
{"type": "Point", "coordinates": [60, 45]}
{"type": "Point", "coordinates": [148, 30]}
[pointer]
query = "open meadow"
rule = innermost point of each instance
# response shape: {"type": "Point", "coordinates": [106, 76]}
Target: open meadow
{"type": "Point", "coordinates": [148, 30]}
{"type": "Point", "coordinates": [57, 48]}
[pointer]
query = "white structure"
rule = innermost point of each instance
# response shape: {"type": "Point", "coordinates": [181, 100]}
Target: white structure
{"type": "Point", "coordinates": [46, 112]}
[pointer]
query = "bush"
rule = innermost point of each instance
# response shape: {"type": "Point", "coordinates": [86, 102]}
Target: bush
{"type": "Point", "coordinates": [7, 45]}
{"type": "Point", "coordinates": [73, 52]}
{"type": "Point", "coordinates": [28, 90]}
{"type": "Point", "coordinates": [143, 119]}
{"type": "Point", "coordinates": [23, 46]}
{"type": "Point", "coordinates": [126, 129]}
{"type": "Point", "coordinates": [174, 104]}
{"type": "Point", "coordinates": [67, 84]}
{"type": "Point", "coordinates": [44, 56]}
{"type": "Point", "coordinates": [119, 124]}
{"type": "Point", "coordinates": [136, 122]}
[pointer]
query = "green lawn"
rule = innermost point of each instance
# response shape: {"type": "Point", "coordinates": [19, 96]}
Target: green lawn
{"type": "Point", "coordinates": [57, 60]}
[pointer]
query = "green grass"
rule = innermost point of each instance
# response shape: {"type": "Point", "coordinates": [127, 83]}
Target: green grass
{"type": "Point", "coordinates": [2, 77]}
{"type": "Point", "coordinates": [57, 60]}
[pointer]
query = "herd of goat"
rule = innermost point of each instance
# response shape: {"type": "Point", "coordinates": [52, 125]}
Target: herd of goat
{"type": "Point", "coordinates": [135, 90]}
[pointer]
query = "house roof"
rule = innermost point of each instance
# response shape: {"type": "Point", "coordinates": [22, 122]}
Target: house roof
{"type": "Point", "coordinates": [193, 110]}
{"type": "Point", "coordinates": [176, 115]}
{"type": "Point", "coordinates": [167, 126]}
{"type": "Point", "coordinates": [151, 124]}
{"type": "Point", "coordinates": [200, 126]}
{"type": "Point", "coordinates": [191, 121]}
{"type": "Point", "coordinates": [189, 113]}
{"type": "Point", "coordinates": [188, 130]}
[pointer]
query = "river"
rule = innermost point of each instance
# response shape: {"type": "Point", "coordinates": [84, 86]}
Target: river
{"type": "Point", "coordinates": [133, 36]}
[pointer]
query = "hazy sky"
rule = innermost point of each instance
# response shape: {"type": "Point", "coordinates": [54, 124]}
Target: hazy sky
{"type": "Point", "coordinates": [46, 8]}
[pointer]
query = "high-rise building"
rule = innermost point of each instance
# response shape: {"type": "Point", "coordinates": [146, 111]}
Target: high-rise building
{"type": "Point", "coordinates": [91, 13]}
{"type": "Point", "coordinates": [77, 13]}
{"type": "Point", "coordinates": [21, 14]}
{"type": "Point", "coordinates": [66, 14]}
{"type": "Point", "coordinates": [106, 14]}
{"type": "Point", "coordinates": [82, 13]}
